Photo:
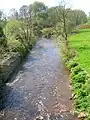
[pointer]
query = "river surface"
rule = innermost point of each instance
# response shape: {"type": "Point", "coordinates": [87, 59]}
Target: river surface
{"type": "Point", "coordinates": [40, 88]}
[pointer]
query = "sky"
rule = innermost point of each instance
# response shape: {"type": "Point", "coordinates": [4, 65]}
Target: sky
{"type": "Point", "coordinates": [6, 5]}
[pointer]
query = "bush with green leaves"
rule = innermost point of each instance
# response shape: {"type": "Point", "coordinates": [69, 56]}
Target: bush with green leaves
{"type": "Point", "coordinates": [76, 86]}
{"type": "Point", "coordinates": [16, 46]}
{"type": "Point", "coordinates": [47, 32]}
{"type": "Point", "coordinates": [80, 80]}
{"type": "Point", "coordinates": [80, 77]}
{"type": "Point", "coordinates": [13, 28]}
{"type": "Point", "coordinates": [81, 103]}
{"type": "Point", "coordinates": [75, 70]}
{"type": "Point", "coordinates": [19, 39]}
{"type": "Point", "coordinates": [71, 64]}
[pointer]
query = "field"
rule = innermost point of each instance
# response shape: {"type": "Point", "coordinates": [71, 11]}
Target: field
{"type": "Point", "coordinates": [81, 43]}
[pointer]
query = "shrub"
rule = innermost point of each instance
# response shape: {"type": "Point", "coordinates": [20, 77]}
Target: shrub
{"type": "Point", "coordinates": [72, 54]}
{"type": "Point", "coordinates": [47, 32]}
{"type": "Point", "coordinates": [77, 86]}
{"type": "Point", "coordinates": [75, 70]}
{"type": "Point", "coordinates": [80, 87]}
{"type": "Point", "coordinates": [16, 46]}
{"type": "Point", "coordinates": [12, 28]}
{"type": "Point", "coordinates": [71, 64]}
{"type": "Point", "coordinates": [80, 77]}
{"type": "Point", "coordinates": [81, 104]}
{"type": "Point", "coordinates": [80, 93]}
{"type": "Point", "coordinates": [86, 86]}
{"type": "Point", "coordinates": [88, 100]}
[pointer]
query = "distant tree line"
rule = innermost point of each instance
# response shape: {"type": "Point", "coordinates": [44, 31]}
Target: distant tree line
{"type": "Point", "coordinates": [36, 20]}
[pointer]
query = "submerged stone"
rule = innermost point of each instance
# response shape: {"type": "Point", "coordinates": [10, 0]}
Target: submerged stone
{"type": "Point", "coordinates": [39, 117]}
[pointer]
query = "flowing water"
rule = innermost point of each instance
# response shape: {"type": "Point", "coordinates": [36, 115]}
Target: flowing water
{"type": "Point", "coordinates": [40, 88]}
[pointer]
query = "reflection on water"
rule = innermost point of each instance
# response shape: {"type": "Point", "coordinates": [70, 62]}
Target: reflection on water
{"type": "Point", "coordinates": [40, 87]}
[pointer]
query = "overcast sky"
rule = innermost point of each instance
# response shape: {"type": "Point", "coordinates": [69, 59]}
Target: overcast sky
{"type": "Point", "coordinates": [76, 4]}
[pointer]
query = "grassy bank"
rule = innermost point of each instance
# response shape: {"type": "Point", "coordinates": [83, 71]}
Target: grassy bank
{"type": "Point", "coordinates": [81, 43]}
{"type": "Point", "coordinates": [79, 67]}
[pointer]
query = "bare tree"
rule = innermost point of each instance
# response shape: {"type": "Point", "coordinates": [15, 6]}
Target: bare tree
{"type": "Point", "coordinates": [62, 13]}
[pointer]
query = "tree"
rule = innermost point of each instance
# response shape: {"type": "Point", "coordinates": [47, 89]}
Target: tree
{"type": "Point", "coordinates": [25, 17]}
{"type": "Point", "coordinates": [23, 11]}
{"type": "Point", "coordinates": [14, 14]}
{"type": "Point", "coordinates": [79, 16]}
{"type": "Point", "coordinates": [3, 19]}
{"type": "Point", "coordinates": [38, 7]}
{"type": "Point", "coordinates": [63, 18]}
{"type": "Point", "coordinates": [42, 19]}
{"type": "Point", "coordinates": [39, 17]}
{"type": "Point", "coordinates": [1, 14]}
{"type": "Point", "coordinates": [52, 16]}
{"type": "Point", "coordinates": [3, 41]}
{"type": "Point", "coordinates": [15, 29]}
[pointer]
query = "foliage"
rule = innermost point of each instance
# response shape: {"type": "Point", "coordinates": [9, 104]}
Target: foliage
{"type": "Point", "coordinates": [12, 28]}
{"type": "Point", "coordinates": [3, 41]}
{"type": "Point", "coordinates": [52, 16]}
{"type": "Point", "coordinates": [76, 69]}
{"type": "Point", "coordinates": [80, 17]}
{"type": "Point", "coordinates": [37, 29]}
{"type": "Point", "coordinates": [67, 20]}
{"type": "Point", "coordinates": [71, 64]}
{"type": "Point", "coordinates": [80, 79]}
{"type": "Point", "coordinates": [38, 7]}
{"type": "Point", "coordinates": [80, 86]}
{"type": "Point", "coordinates": [47, 32]}
{"type": "Point", "coordinates": [17, 30]}
{"type": "Point", "coordinates": [23, 11]}
{"type": "Point", "coordinates": [16, 46]}
{"type": "Point", "coordinates": [80, 42]}
{"type": "Point", "coordinates": [13, 14]}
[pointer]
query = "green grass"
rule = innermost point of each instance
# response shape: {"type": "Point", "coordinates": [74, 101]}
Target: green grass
{"type": "Point", "coordinates": [81, 43]}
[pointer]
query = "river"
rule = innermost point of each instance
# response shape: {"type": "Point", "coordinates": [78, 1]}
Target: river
{"type": "Point", "coordinates": [40, 88]}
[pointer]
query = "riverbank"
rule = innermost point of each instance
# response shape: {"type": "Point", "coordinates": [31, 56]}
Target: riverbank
{"type": "Point", "coordinates": [81, 43]}
{"type": "Point", "coordinates": [78, 63]}
{"type": "Point", "coordinates": [10, 60]}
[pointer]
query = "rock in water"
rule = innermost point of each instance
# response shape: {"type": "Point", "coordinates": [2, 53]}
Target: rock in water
{"type": "Point", "coordinates": [82, 115]}
{"type": "Point", "coordinates": [39, 117]}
